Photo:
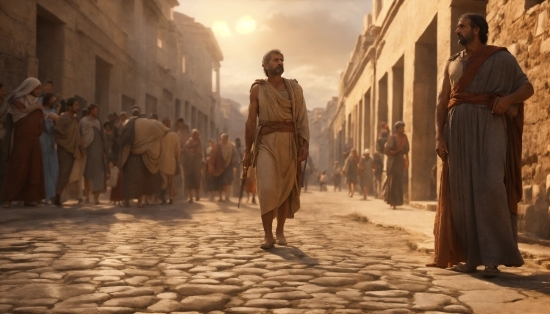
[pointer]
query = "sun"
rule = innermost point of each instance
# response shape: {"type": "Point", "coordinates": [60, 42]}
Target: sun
{"type": "Point", "coordinates": [220, 28]}
{"type": "Point", "coordinates": [246, 25]}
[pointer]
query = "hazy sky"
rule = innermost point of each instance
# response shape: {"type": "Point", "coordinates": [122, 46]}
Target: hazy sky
{"type": "Point", "coordinates": [316, 37]}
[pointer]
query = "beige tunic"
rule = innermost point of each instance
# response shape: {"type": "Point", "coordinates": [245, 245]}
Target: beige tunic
{"type": "Point", "coordinates": [169, 158]}
{"type": "Point", "coordinates": [276, 154]}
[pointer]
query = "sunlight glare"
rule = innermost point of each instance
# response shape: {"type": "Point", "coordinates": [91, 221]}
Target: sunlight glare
{"type": "Point", "coordinates": [221, 29]}
{"type": "Point", "coordinates": [246, 25]}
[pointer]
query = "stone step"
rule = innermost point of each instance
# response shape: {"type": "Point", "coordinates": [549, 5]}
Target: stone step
{"type": "Point", "coordinates": [427, 205]}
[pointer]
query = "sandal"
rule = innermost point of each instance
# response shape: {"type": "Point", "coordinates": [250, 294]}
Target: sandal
{"type": "Point", "coordinates": [6, 205]}
{"type": "Point", "coordinates": [463, 268]}
{"type": "Point", "coordinates": [30, 204]}
{"type": "Point", "coordinates": [491, 271]}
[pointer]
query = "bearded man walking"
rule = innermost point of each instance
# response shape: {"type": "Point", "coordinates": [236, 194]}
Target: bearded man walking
{"type": "Point", "coordinates": [276, 145]}
{"type": "Point", "coordinates": [478, 134]}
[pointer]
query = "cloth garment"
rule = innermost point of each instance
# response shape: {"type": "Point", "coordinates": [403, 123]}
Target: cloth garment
{"type": "Point", "coordinates": [137, 179]}
{"type": "Point", "coordinates": [25, 168]}
{"type": "Point", "coordinates": [70, 154]}
{"type": "Point", "coordinates": [192, 164]}
{"type": "Point", "coordinates": [140, 142]}
{"type": "Point", "coordinates": [93, 140]}
{"type": "Point", "coordinates": [275, 155]}
{"type": "Point", "coordinates": [478, 197]}
{"type": "Point", "coordinates": [229, 155]}
{"type": "Point", "coordinates": [22, 95]}
{"type": "Point", "coordinates": [351, 169]}
{"type": "Point", "coordinates": [117, 191]}
{"type": "Point", "coordinates": [250, 182]}
{"type": "Point", "coordinates": [49, 155]}
{"type": "Point", "coordinates": [395, 171]}
{"type": "Point", "coordinates": [366, 174]}
{"type": "Point", "coordinates": [169, 159]}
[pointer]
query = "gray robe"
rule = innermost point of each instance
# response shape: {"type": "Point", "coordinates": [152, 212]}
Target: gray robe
{"type": "Point", "coordinates": [476, 140]}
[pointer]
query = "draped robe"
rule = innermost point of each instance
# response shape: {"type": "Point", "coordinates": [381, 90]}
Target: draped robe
{"type": "Point", "coordinates": [479, 144]}
{"type": "Point", "coordinates": [275, 155]}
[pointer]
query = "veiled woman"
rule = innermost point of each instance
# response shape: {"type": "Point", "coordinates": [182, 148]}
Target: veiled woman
{"type": "Point", "coordinates": [397, 149]}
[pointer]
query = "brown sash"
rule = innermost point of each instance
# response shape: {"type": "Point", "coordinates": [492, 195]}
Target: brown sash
{"type": "Point", "coordinates": [458, 96]}
{"type": "Point", "coordinates": [272, 127]}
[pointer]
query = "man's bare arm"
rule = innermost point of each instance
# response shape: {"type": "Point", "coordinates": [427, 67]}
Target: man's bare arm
{"type": "Point", "coordinates": [441, 115]}
{"type": "Point", "coordinates": [523, 93]}
{"type": "Point", "coordinates": [250, 126]}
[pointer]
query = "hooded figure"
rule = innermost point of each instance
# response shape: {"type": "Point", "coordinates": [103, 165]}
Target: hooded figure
{"type": "Point", "coordinates": [25, 166]}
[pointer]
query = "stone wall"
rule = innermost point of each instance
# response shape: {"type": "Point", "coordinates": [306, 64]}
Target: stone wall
{"type": "Point", "coordinates": [115, 54]}
{"type": "Point", "coordinates": [524, 27]}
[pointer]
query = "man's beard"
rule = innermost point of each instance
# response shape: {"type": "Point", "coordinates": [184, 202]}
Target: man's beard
{"type": "Point", "coordinates": [277, 70]}
{"type": "Point", "coordinates": [465, 40]}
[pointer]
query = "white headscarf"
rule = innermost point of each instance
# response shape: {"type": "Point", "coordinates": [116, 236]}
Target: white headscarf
{"type": "Point", "coordinates": [23, 90]}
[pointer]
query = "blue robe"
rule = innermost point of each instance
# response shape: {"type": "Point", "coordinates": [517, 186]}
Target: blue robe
{"type": "Point", "coordinates": [49, 156]}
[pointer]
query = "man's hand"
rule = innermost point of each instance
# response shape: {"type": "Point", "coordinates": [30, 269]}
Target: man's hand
{"type": "Point", "coordinates": [441, 149]}
{"type": "Point", "coordinates": [303, 152]}
{"type": "Point", "coordinates": [501, 104]}
{"type": "Point", "coordinates": [247, 159]}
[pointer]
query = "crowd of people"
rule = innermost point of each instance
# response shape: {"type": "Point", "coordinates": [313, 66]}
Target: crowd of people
{"type": "Point", "coordinates": [52, 151]}
{"type": "Point", "coordinates": [364, 173]}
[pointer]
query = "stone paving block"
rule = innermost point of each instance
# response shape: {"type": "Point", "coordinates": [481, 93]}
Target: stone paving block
{"type": "Point", "coordinates": [168, 296]}
{"type": "Point", "coordinates": [137, 280]}
{"type": "Point", "coordinates": [246, 310]}
{"type": "Point", "coordinates": [195, 289]}
{"type": "Point", "coordinates": [141, 272]}
{"type": "Point", "coordinates": [49, 291]}
{"type": "Point", "coordinates": [372, 286]}
{"type": "Point", "coordinates": [75, 263]}
{"type": "Point", "coordinates": [132, 302]}
{"type": "Point", "coordinates": [204, 303]}
{"type": "Point", "coordinates": [265, 303]}
{"type": "Point", "coordinates": [31, 310]}
{"type": "Point", "coordinates": [36, 302]}
{"type": "Point", "coordinates": [430, 301]}
{"type": "Point", "coordinates": [376, 306]}
{"type": "Point", "coordinates": [455, 308]}
{"type": "Point", "coordinates": [166, 306]}
{"type": "Point", "coordinates": [291, 295]}
{"type": "Point", "coordinates": [333, 281]}
{"type": "Point", "coordinates": [86, 298]}
{"type": "Point", "coordinates": [388, 293]}
{"type": "Point", "coordinates": [133, 292]}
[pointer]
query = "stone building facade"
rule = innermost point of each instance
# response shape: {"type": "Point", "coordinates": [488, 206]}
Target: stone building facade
{"type": "Point", "coordinates": [233, 119]}
{"type": "Point", "coordinates": [524, 28]}
{"type": "Point", "coordinates": [115, 54]}
{"type": "Point", "coordinates": [397, 65]}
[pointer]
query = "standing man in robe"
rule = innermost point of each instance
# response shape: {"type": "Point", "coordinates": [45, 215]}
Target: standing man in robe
{"type": "Point", "coordinates": [93, 140]}
{"type": "Point", "coordinates": [25, 167]}
{"type": "Point", "coordinates": [140, 143]}
{"type": "Point", "coordinates": [169, 162]}
{"type": "Point", "coordinates": [47, 141]}
{"type": "Point", "coordinates": [193, 153]}
{"type": "Point", "coordinates": [229, 156]}
{"type": "Point", "coordinates": [481, 100]}
{"type": "Point", "coordinates": [366, 173]}
{"type": "Point", "coordinates": [71, 154]}
{"type": "Point", "coordinates": [281, 142]}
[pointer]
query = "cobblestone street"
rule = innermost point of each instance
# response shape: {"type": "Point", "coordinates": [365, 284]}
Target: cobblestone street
{"type": "Point", "coordinates": [205, 258]}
